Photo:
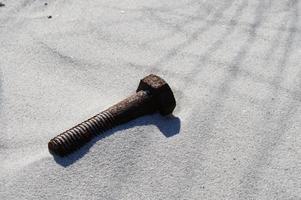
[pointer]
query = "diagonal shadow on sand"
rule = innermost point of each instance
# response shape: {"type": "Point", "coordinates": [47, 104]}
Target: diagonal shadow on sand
{"type": "Point", "coordinates": [169, 126]}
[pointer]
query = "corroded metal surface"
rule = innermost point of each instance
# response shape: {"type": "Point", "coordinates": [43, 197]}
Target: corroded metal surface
{"type": "Point", "coordinates": [153, 94]}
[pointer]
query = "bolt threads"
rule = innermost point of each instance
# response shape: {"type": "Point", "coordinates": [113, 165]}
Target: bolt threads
{"type": "Point", "coordinates": [74, 138]}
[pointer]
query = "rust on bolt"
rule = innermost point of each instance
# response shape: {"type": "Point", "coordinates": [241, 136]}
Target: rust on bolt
{"type": "Point", "coordinates": [152, 95]}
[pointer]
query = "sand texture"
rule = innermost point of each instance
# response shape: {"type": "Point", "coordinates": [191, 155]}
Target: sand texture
{"type": "Point", "coordinates": [235, 69]}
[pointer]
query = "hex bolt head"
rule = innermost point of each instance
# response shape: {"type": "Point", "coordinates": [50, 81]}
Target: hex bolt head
{"type": "Point", "coordinates": [152, 95]}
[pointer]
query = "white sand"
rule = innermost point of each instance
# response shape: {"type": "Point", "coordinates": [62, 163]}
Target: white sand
{"type": "Point", "coordinates": [235, 69]}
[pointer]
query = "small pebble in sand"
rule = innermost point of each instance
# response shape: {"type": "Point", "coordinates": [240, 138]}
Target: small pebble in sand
{"type": "Point", "coordinates": [49, 17]}
{"type": "Point", "coordinates": [2, 4]}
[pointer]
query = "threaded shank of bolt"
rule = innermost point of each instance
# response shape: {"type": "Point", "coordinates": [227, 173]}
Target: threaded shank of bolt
{"type": "Point", "coordinates": [72, 139]}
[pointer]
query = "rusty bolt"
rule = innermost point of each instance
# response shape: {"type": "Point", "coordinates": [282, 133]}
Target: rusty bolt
{"type": "Point", "coordinates": [153, 94]}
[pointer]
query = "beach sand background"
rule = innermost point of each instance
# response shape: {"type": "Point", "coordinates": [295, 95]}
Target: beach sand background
{"type": "Point", "coordinates": [234, 66]}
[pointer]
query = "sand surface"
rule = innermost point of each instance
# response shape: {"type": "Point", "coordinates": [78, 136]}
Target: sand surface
{"type": "Point", "coordinates": [234, 66]}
